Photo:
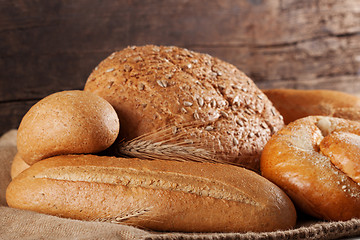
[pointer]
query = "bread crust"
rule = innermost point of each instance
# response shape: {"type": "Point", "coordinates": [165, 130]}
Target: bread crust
{"type": "Point", "coordinates": [343, 150]}
{"type": "Point", "coordinates": [157, 195]}
{"type": "Point", "coordinates": [152, 87]}
{"type": "Point", "coordinates": [295, 160]}
{"type": "Point", "coordinates": [18, 165]}
{"type": "Point", "coordinates": [67, 122]}
{"type": "Point", "coordinates": [294, 104]}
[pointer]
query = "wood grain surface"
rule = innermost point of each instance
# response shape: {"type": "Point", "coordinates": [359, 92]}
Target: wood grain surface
{"type": "Point", "coordinates": [49, 46]}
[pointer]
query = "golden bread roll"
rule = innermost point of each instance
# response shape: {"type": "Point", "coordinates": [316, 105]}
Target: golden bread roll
{"type": "Point", "coordinates": [153, 87]}
{"type": "Point", "coordinates": [294, 104]}
{"type": "Point", "coordinates": [315, 160]}
{"type": "Point", "coordinates": [18, 165]}
{"type": "Point", "coordinates": [64, 123]}
{"type": "Point", "coordinates": [157, 195]}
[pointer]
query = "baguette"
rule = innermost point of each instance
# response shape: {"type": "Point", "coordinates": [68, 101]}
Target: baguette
{"type": "Point", "coordinates": [158, 195]}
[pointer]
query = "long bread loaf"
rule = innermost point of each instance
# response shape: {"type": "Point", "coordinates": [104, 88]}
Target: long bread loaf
{"type": "Point", "coordinates": [157, 195]}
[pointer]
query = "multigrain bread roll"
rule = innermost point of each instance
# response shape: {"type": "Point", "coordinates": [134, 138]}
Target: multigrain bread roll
{"type": "Point", "coordinates": [294, 104]}
{"type": "Point", "coordinates": [315, 160]}
{"type": "Point", "coordinates": [154, 87]}
{"type": "Point", "coordinates": [18, 165]}
{"type": "Point", "coordinates": [157, 195]}
{"type": "Point", "coordinates": [64, 123]}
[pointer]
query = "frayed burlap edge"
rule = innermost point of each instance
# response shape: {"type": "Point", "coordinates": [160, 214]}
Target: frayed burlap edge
{"type": "Point", "coordinates": [321, 230]}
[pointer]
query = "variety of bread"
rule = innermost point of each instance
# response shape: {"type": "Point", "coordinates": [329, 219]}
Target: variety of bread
{"type": "Point", "coordinates": [157, 195]}
{"type": "Point", "coordinates": [201, 102]}
{"type": "Point", "coordinates": [315, 160]}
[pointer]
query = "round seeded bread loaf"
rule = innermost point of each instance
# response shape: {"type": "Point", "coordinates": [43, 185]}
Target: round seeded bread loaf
{"type": "Point", "coordinates": [153, 87]}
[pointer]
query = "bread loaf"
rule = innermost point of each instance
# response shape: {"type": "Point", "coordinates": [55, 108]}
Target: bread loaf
{"type": "Point", "coordinates": [315, 160]}
{"type": "Point", "coordinates": [67, 122]}
{"type": "Point", "coordinates": [294, 104]}
{"type": "Point", "coordinates": [157, 195]}
{"type": "Point", "coordinates": [153, 87]}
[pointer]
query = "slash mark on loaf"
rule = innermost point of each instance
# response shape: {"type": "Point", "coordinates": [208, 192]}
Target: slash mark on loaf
{"type": "Point", "coordinates": [148, 179]}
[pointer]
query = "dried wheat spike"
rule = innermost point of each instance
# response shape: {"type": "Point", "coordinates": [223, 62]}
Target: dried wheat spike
{"type": "Point", "coordinates": [166, 144]}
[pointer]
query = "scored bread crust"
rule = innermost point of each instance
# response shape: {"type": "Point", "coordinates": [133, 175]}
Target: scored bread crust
{"type": "Point", "coordinates": [152, 87]}
{"type": "Point", "coordinates": [294, 104]}
{"type": "Point", "coordinates": [296, 160]}
{"type": "Point", "coordinates": [157, 195]}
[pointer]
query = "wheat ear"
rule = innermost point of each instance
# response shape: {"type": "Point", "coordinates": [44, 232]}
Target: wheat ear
{"type": "Point", "coordinates": [170, 143]}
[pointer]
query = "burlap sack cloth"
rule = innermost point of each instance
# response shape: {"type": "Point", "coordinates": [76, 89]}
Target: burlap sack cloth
{"type": "Point", "coordinates": [19, 224]}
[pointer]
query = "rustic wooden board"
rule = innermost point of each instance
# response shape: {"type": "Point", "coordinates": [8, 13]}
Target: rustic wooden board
{"type": "Point", "coordinates": [48, 46]}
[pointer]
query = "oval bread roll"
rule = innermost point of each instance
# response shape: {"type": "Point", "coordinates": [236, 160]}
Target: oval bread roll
{"type": "Point", "coordinates": [153, 87]}
{"type": "Point", "coordinates": [315, 160]}
{"type": "Point", "coordinates": [67, 122]}
{"type": "Point", "coordinates": [157, 195]}
{"type": "Point", "coordinates": [294, 104]}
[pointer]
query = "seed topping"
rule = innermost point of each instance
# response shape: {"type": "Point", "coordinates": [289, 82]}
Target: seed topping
{"type": "Point", "coordinates": [196, 115]}
{"type": "Point", "coordinates": [239, 122]}
{"type": "Point", "coordinates": [209, 128]}
{"type": "Point", "coordinates": [162, 83]}
{"type": "Point", "coordinates": [168, 76]}
{"type": "Point", "coordinates": [137, 59]}
{"type": "Point", "coordinates": [127, 67]}
{"type": "Point", "coordinates": [200, 101]}
{"type": "Point", "coordinates": [236, 101]}
{"type": "Point", "coordinates": [224, 114]}
{"type": "Point", "coordinates": [141, 86]}
{"type": "Point", "coordinates": [213, 103]}
{"type": "Point", "coordinates": [188, 104]}
{"type": "Point", "coordinates": [174, 130]}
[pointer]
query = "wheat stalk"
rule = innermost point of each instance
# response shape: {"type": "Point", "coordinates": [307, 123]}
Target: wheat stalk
{"type": "Point", "coordinates": [170, 143]}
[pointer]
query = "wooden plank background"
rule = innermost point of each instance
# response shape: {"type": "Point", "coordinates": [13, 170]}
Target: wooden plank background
{"type": "Point", "coordinates": [48, 46]}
